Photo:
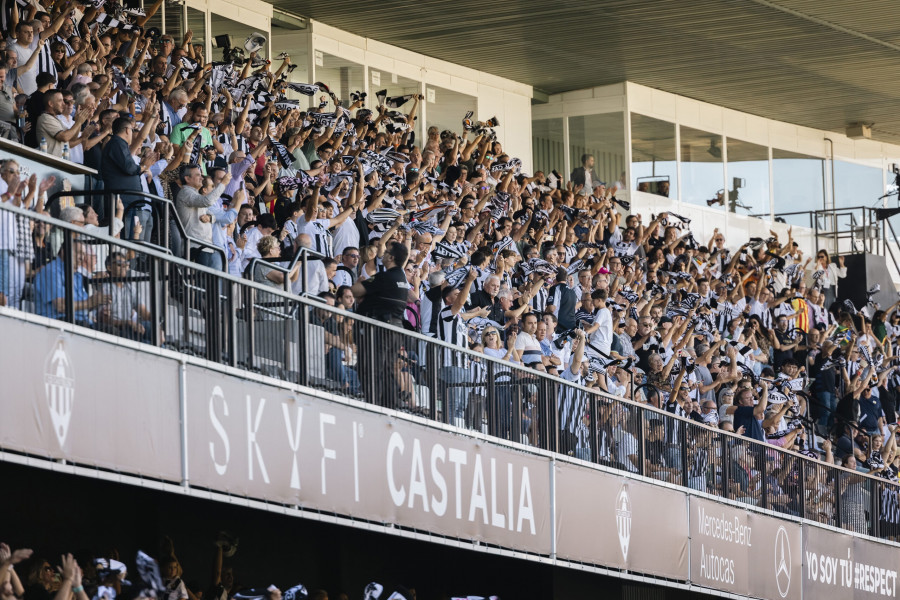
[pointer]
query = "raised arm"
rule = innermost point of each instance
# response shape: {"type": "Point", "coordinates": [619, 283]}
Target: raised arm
{"type": "Point", "coordinates": [759, 411]}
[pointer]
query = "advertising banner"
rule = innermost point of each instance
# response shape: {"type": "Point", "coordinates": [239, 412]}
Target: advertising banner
{"type": "Point", "coordinates": [73, 397]}
{"type": "Point", "coordinates": [92, 403]}
{"type": "Point", "coordinates": [605, 519]}
{"type": "Point", "coordinates": [264, 442]}
{"type": "Point", "coordinates": [742, 552]}
{"type": "Point", "coordinates": [839, 566]}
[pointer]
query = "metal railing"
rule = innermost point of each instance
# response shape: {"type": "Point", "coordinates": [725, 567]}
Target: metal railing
{"type": "Point", "coordinates": [302, 255]}
{"type": "Point", "coordinates": [858, 226]}
{"type": "Point", "coordinates": [22, 152]}
{"type": "Point", "coordinates": [164, 300]}
{"type": "Point", "coordinates": [164, 210]}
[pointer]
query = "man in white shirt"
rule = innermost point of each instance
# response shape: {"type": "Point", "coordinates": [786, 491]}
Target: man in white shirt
{"type": "Point", "coordinates": [601, 331]}
{"type": "Point", "coordinates": [527, 348]}
{"type": "Point", "coordinates": [317, 280]}
{"type": "Point", "coordinates": [25, 46]}
{"type": "Point", "coordinates": [192, 209]}
{"type": "Point", "coordinates": [57, 131]}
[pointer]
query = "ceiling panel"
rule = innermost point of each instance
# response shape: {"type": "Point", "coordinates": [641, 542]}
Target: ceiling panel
{"type": "Point", "coordinates": [818, 63]}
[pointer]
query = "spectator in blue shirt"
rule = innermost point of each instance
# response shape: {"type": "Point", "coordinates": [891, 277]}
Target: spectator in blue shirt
{"type": "Point", "coordinates": [749, 416]}
{"type": "Point", "coordinates": [50, 289]}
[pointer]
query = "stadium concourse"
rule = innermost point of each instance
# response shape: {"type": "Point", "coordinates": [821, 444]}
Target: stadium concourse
{"type": "Point", "coordinates": [547, 292]}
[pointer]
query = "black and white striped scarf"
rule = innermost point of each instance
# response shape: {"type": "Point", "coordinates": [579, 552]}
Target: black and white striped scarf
{"type": "Point", "coordinates": [107, 21]}
{"type": "Point", "coordinates": [195, 151]}
{"type": "Point", "coordinates": [281, 151]}
{"type": "Point", "coordinates": [293, 183]}
{"type": "Point", "coordinates": [307, 89]}
{"type": "Point", "coordinates": [45, 62]}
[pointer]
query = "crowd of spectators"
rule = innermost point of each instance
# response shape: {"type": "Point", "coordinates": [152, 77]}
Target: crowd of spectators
{"type": "Point", "coordinates": [107, 576]}
{"type": "Point", "coordinates": [445, 236]}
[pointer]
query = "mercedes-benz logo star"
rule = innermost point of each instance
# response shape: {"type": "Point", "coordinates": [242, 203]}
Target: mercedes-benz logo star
{"type": "Point", "coordinates": [783, 561]}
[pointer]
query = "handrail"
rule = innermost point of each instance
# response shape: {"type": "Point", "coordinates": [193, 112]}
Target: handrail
{"type": "Point", "coordinates": [169, 214]}
{"type": "Point", "coordinates": [548, 384]}
{"type": "Point", "coordinates": [301, 254]}
{"type": "Point", "coordinates": [44, 158]}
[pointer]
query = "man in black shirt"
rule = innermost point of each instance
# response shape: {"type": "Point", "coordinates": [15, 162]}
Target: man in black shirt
{"type": "Point", "coordinates": [487, 298]}
{"type": "Point", "coordinates": [562, 302]}
{"type": "Point", "coordinates": [383, 298]}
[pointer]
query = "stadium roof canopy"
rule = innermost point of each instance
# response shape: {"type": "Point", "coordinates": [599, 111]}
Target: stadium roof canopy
{"type": "Point", "coordinates": [819, 63]}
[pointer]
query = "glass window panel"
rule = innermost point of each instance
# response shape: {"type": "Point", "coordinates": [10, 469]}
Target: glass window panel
{"type": "Point", "coordinates": [547, 145]}
{"type": "Point", "coordinates": [449, 108]}
{"type": "Point", "coordinates": [748, 174]}
{"type": "Point", "coordinates": [174, 23]}
{"type": "Point", "coordinates": [702, 176]}
{"type": "Point", "coordinates": [342, 76]}
{"type": "Point", "coordinates": [196, 22]}
{"type": "Point", "coordinates": [603, 137]}
{"type": "Point", "coordinates": [296, 44]}
{"type": "Point", "coordinates": [856, 184]}
{"type": "Point", "coordinates": [798, 185]}
{"type": "Point", "coordinates": [653, 165]}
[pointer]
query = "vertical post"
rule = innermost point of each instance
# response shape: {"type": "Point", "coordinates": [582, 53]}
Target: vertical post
{"type": "Point", "coordinates": [684, 454]}
{"type": "Point", "coordinates": [251, 328]}
{"type": "Point", "coordinates": [493, 410]}
{"type": "Point", "coordinates": [303, 343]}
{"type": "Point", "coordinates": [642, 434]}
{"type": "Point", "coordinates": [110, 214]}
{"type": "Point", "coordinates": [763, 472]}
{"type": "Point", "coordinates": [726, 463]}
{"type": "Point", "coordinates": [874, 507]}
{"type": "Point", "coordinates": [516, 394]}
{"type": "Point", "coordinates": [593, 415]}
{"type": "Point", "coordinates": [304, 270]}
{"type": "Point", "coordinates": [431, 371]}
{"type": "Point", "coordinates": [69, 266]}
{"type": "Point", "coordinates": [164, 233]}
{"type": "Point", "coordinates": [551, 416]}
{"type": "Point", "coordinates": [187, 293]}
{"type": "Point", "coordinates": [802, 487]}
{"type": "Point", "coordinates": [287, 322]}
{"type": "Point", "coordinates": [154, 301]}
{"type": "Point", "coordinates": [838, 521]}
{"type": "Point", "coordinates": [233, 290]}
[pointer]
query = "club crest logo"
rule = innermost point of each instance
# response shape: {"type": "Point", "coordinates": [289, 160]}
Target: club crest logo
{"type": "Point", "coordinates": [59, 388]}
{"type": "Point", "coordinates": [623, 521]}
{"type": "Point", "coordinates": [783, 562]}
